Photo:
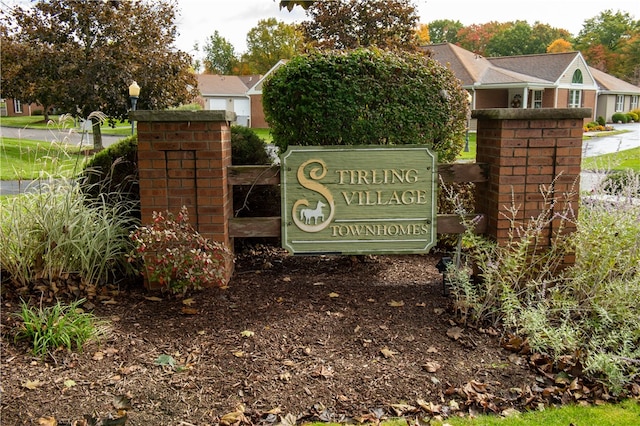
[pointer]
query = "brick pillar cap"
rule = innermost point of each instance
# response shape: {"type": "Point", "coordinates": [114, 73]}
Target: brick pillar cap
{"type": "Point", "coordinates": [531, 113]}
{"type": "Point", "coordinates": [184, 116]}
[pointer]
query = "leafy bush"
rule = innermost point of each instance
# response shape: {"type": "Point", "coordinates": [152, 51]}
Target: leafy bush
{"type": "Point", "coordinates": [114, 171]}
{"type": "Point", "coordinates": [587, 313]}
{"type": "Point", "coordinates": [58, 326]}
{"type": "Point", "coordinates": [622, 183]}
{"type": "Point", "coordinates": [601, 121]}
{"type": "Point", "coordinates": [247, 147]}
{"type": "Point", "coordinates": [620, 117]}
{"type": "Point", "coordinates": [176, 256]}
{"type": "Point", "coordinates": [633, 116]}
{"type": "Point", "coordinates": [54, 230]}
{"type": "Point", "coordinates": [366, 97]}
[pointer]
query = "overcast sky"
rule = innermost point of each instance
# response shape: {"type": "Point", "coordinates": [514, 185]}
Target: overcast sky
{"type": "Point", "coordinates": [233, 19]}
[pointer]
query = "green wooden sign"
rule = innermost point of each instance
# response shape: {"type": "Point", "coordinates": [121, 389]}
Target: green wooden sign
{"type": "Point", "coordinates": [358, 199]}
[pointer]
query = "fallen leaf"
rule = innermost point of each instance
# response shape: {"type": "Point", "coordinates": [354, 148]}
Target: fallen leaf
{"type": "Point", "coordinates": [402, 409]}
{"type": "Point", "coordinates": [121, 402]}
{"type": "Point", "coordinates": [387, 353]}
{"type": "Point", "coordinates": [285, 377]}
{"type": "Point", "coordinates": [234, 418]}
{"type": "Point", "coordinates": [432, 350]}
{"type": "Point", "coordinates": [47, 421]}
{"type": "Point", "coordinates": [238, 354]}
{"type": "Point", "coordinates": [247, 333]}
{"type": "Point", "coordinates": [288, 420]}
{"type": "Point", "coordinates": [454, 332]}
{"type": "Point", "coordinates": [188, 301]}
{"type": "Point", "coordinates": [371, 300]}
{"type": "Point", "coordinates": [153, 298]}
{"type": "Point", "coordinates": [438, 311]}
{"type": "Point", "coordinates": [165, 359]}
{"type": "Point", "coordinates": [109, 302]}
{"type": "Point", "coordinates": [69, 383]}
{"type": "Point", "coordinates": [32, 384]}
{"type": "Point", "coordinates": [421, 305]}
{"type": "Point", "coordinates": [189, 311]}
{"type": "Point", "coordinates": [432, 366]}
{"type": "Point", "coordinates": [334, 295]}
{"type": "Point", "coordinates": [286, 279]}
{"type": "Point", "coordinates": [395, 304]}
{"type": "Point", "coordinates": [322, 371]}
{"type": "Point", "coordinates": [98, 356]}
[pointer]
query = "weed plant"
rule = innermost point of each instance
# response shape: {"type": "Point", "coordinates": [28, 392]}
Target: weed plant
{"type": "Point", "coordinates": [50, 328]}
{"type": "Point", "coordinates": [588, 312]}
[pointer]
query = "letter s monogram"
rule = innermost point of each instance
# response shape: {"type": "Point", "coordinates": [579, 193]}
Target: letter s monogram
{"type": "Point", "coordinates": [307, 218]}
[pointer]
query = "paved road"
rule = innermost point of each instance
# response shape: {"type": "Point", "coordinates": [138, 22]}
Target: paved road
{"type": "Point", "coordinates": [54, 135]}
{"type": "Point", "coordinates": [593, 147]}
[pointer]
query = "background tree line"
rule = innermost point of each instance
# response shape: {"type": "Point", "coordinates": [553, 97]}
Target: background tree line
{"type": "Point", "coordinates": [609, 41]}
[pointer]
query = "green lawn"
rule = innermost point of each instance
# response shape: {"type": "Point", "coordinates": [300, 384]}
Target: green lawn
{"type": "Point", "coordinates": [29, 159]}
{"type": "Point", "coordinates": [123, 128]}
{"type": "Point", "coordinates": [628, 159]}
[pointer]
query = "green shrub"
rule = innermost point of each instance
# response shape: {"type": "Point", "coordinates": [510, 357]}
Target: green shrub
{"type": "Point", "coordinates": [601, 121]}
{"type": "Point", "coordinates": [366, 97]}
{"type": "Point", "coordinates": [114, 170]}
{"type": "Point", "coordinates": [620, 117]}
{"type": "Point", "coordinates": [625, 183]}
{"type": "Point", "coordinates": [633, 116]}
{"type": "Point", "coordinates": [37, 112]}
{"type": "Point", "coordinates": [247, 147]}
{"type": "Point", "coordinates": [591, 125]}
{"type": "Point", "coordinates": [58, 326]}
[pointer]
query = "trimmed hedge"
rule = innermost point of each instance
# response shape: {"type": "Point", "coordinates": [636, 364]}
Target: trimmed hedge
{"type": "Point", "coordinates": [366, 97]}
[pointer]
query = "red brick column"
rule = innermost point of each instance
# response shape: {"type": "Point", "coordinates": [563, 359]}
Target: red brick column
{"type": "Point", "coordinates": [526, 149]}
{"type": "Point", "coordinates": [182, 161]}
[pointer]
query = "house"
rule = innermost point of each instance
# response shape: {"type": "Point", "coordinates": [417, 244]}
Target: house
{"type": "Point", "coordinates": [240, 94]}
{"type": "Point", "coordinates": [15, 108]}
{"type": "Point", "coordinates": [228, 92]}
{"type": "Point", "coordinates": [552, 80]}
{"type": "Point", "coordinates": [614, 95]}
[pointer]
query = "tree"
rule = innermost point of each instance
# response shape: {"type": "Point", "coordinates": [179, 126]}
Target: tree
{"type": "Point", "coordinates": [476, 37]}
{"type": "Point", "coordinates": [604, 41]}
{"type": "Point", "coordinates": [560, 45]}
{"type": "Point", "coordinates": [220, 56]}
{"type": "Point", "coordinates": [366, 96]}
{"type": "Point", "coordinates": [270, 41]}
{"type": "Point", "coordinates": [444, 31]}
{"type": "Point", "coordinates": [422, 35]}
{"type": "Point", "coordinates": [90, 52]}
{"type": "Point", "coordinates": [349, 24]}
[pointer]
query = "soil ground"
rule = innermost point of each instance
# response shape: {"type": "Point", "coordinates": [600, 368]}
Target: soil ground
{"type": "Point", "coordinates": [304, 338]}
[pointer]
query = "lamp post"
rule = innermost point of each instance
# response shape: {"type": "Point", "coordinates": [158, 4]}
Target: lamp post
{"type": "Point", "coordinates": [134, 92]}
{"type": "Point", "coordinates": [466, 137]}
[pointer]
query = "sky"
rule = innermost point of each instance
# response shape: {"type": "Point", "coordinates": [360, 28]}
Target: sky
{"type": "Point", "coordinates": [198, 19]}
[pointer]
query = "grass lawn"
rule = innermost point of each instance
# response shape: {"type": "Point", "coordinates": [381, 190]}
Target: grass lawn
{"type": "Point", "coordinates": [123, 128]}
{"type": "Point", "coordinates": [29, 159]}
{"type": "Point", "coordinates": [628, 159]}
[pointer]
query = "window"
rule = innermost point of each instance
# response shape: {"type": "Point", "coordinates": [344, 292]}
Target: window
{"type": "Point", "coordinates": [575, 98]}
{"type": "Point", "coordinates": [619, 103]}
{"type": "Point", "coordinates": [634, 102]}
{"type": "Point", "coordinates": [577, 77]}
{"type": "Point", "coordinates": [537, 99]}
{"type": "Point", "coordinates": [17, 106]}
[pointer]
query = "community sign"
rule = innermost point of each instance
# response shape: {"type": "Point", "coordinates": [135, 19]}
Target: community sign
{"type": "Point", "coordinates": [358, 200]}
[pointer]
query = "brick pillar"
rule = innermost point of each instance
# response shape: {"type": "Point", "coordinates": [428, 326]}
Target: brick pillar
{"type": "Point", "coordinates": [527, 148]}
{"type": "Point", "coordinates": [182, 161]}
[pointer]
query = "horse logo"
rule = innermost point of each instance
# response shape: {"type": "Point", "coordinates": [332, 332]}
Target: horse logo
{"type": "Point", "coordinates": [308, 214]}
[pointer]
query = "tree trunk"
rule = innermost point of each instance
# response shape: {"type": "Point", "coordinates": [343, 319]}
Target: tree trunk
{"type": "Point", "coordinates": [97, 135]}
{"type": "Point", "coordinates": [45, 112]}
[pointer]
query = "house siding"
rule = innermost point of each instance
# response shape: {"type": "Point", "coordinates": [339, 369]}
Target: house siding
{"type": "Point", "coordinates": [257, 113]}
{"type": "Point", "coordinates": [587, 80]}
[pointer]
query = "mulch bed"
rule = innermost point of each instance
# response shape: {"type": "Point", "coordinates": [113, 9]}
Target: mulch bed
{"type": "Point", "coordinates": [329, 338]}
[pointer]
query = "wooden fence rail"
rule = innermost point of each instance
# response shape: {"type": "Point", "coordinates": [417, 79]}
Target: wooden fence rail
{"type": "Point", "coordinates": [270, 175]}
